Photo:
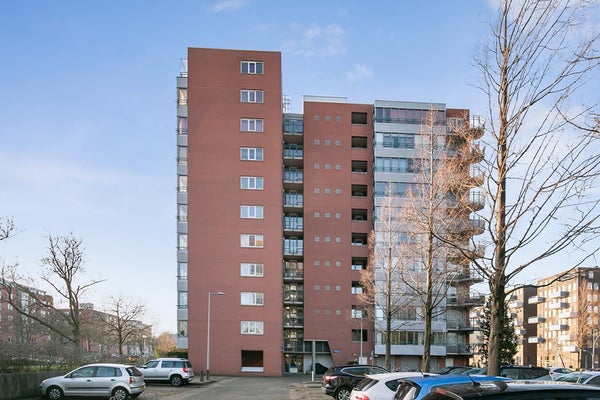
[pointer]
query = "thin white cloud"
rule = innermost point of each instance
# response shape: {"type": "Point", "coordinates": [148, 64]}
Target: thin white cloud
{"type": "Point", "coordinates": [317, 41]}
{"type": "Point", "coordinates": [229, 5]}
{"type": "Point", "coordinates": [358, 73]}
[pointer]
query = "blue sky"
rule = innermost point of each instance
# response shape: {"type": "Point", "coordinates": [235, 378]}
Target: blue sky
{"type": "Point", "coordinates": [87, 107]}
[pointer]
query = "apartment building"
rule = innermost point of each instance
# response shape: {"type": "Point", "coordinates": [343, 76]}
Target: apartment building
{"type": "Point", "coordinates": [274, 214]}
{"type": "Point", "coordinates": [567, 319]}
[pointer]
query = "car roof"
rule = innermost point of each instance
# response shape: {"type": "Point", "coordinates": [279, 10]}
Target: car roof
{"type": "Point", "coordinates": [468, 390]}
{"type": "Point", "coordinates": [449, 379]}
{"type": "Point", "coordinates": [399, 375]}
{"type": "Point", "coordinates": [106, 365]}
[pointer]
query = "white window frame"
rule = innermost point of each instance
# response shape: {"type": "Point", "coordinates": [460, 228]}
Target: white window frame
{"type": "Point", "coordinates": [251, 240]}
{"type": "Point", "coordinates": [252, 299]}
{"type": "Point", "coordinates": [251, 96]}
{"type": "Point", "coordinates": [252, 67]}
{"type": "Point", "coordinates": [251, 153]}
{"type": "Point", "coordinates": [251, 125]}
{"type": "Point", "coordinates": [251, 212]}
{"type": "Point", "coordinates": [252, 327]}
{"type": "Point", "coordinates": [252, 269]}
{"type": "Point", "coordinates": [251, 182]}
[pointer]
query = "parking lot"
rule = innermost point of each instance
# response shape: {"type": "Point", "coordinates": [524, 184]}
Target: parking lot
{"type": "Point", "coordinates": [233, 388]}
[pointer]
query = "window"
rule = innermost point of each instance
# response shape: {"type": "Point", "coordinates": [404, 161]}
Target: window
{"type": "Point", "coordinates": [182, 328]}
{"type": "Point", "coordinates": [252, 327]}
{"type": "Point", "coordinates": [251, 96]}
{"type": "Point", "coordinates": [251, 125]}
{"type": "Point", "coordinates": [251, 240]}
{"type": "Point", "coordinates": [182, 214]}
{"type": "Point", "coordinates": [251, 153]}
{"type": "Point", "coordinates": [182, 183]}
{"type": "Point", "coordinates": [251, 182]}
{"type": "Point", "coordinates": [183, 300]}
{"type": "Point", "coordinates": [251, 269]}
{"type": "Point", "coordinates": [182, 239]}
{"type": "Point", "coordinates": [182, 270]}
{"type": "Point", "coordinates": [251, 298]}
{"type": "Point", "coordinates": [252, 67]}
{"type": "Point", "coordinates": [251, 212]}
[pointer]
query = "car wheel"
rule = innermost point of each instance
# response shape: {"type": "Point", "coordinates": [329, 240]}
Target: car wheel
{"type": "Point", "coordinates": [54, 393]}
{"type": "Point", "coordinates": [119, 394]}
{"type": "Point", "coordinates": [176, 381]}
{"type": "Point", "coordinates": [342, 393]}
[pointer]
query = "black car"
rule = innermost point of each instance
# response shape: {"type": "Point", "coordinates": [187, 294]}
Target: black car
{"type": "Point", "coordinates": [514, 390]}
{"type": "Point", "coordinates": [339, 381]}
{"type": "Point", "coordinates": [518, 371]}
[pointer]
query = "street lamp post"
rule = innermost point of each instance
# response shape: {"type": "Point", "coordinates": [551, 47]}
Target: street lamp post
{"type": "Point", "coordinates": [208, 333]}
{"type": "Point", "coordinates": [595, 337]}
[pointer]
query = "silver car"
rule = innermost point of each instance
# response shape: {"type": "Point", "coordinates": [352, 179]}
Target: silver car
{"type": "Point", "coordinates": [117, 380]}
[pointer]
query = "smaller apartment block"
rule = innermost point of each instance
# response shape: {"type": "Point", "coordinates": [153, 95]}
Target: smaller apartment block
{"type": "Point", "coordinates": [556, 321]}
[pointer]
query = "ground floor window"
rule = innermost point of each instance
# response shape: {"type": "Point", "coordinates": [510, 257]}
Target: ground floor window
{"type": "Point", "coordinates": [252, 361]}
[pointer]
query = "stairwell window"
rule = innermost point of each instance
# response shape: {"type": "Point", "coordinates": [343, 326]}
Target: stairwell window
{"type": "Point", "coordinates": [251, 125]}
{"type": "Point", "coordinates": [251, 241]}
{"type": "Point", "coordinates": [251, 212]}
{"type": "Point", "coordinates": [252, 298]}
{"type": "Point", "coordinates": [252, 327]}
{"type": "Point", "coordinates": [251, 154]}
{"type": "Point", "coordinates": [252, 67]}
{"type": "Point", "coordinates": [251, 96]}
{"type": "Point", "coordinates": [251, 182]}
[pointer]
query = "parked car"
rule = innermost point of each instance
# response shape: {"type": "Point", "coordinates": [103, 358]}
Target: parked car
{"type": "Point", "coordinates": [380, 386]}
{"type": "Point", "coordinates": [585, 377]}
{"type": "Point", "coordinates": [514, 390]}
{"type": "Point", "coordinates": [518, 371]}
{"type": "Point", "coordinates": [339, 381]}
{"type": "Point", "coordinates": [555, 372]}
{"type": "Point", "coordinates": [176, 371]}
{"type": "Point", "coordinates": [95, 380]}
{"type": "Point", "coordinates": [416, 388]}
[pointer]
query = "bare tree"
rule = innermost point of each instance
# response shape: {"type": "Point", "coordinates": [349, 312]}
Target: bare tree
{"type": "Point", "coordinates": [7, 228]}
{"type": "Point", "coordinates": [61, 271]}
{"type": "Point", "coordinates": [541, 170]}
{"type": "Point", "coordinates": [122, 320]}
{"type": "Point", "coordinates": [423, 217]}
{"type": "Point", "coordinates": [384, 292]}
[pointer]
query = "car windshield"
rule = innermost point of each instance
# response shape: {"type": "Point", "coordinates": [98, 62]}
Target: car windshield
{"type": "Point", "coordinates": [576, 378]}
{"type": "Point", "coordinates": [366, 383]}
{"type": "Point", "coordinates": [406, 391]}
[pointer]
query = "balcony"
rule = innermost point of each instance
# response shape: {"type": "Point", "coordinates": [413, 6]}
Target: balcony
{"type": "Point", "coordinates": [293, 247]}
{"type": "Point", "coordinates": [536, 300]}
{"type": "Point", "coordinates": [558, 327]}
{"type": "Point", "coordinates": [558, 305]}
{"type": "Point", "coordinates": [515, 304]}
{"type": "Point", "coordinates": [293, 296]}
{"type": "Point", "coordinates": [293, 271]}
{"type": "Point", "coordinates": [293, 175]}
{"type": "Point", "coordinates": [567, 314]}
{"type": "Point", "coordinates": [293, 224]}
{"type": "Point", "coordinates": [536, 320]}
{"type": "Point", "coordinates": [521, 332]}
{"type": "Point", "coordinates": [293, 200]}
{"type": "Point", "coordinates": [560, 294]}
{"type": "Point", "coordinates": [459, 349]}
{"type": "Point", "coordinates": [293, 322]}
{"type": "Point", "coordinates": [458, 278]}
{"type": "Point", "coordinates": [536, 339]}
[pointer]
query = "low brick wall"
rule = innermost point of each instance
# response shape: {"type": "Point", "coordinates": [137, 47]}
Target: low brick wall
{"type": "Point", "coordinates": [23, 385]}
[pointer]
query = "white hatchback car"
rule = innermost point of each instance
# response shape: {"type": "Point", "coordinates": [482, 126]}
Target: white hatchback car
{"type": "Point", "coordinates": [381, 386]}
{"type": "Point", "coordinates": [117, 381]}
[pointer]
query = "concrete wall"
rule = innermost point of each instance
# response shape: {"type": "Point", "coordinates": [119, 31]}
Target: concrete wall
{"type": "Point", "coordinates": [23, 384]}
